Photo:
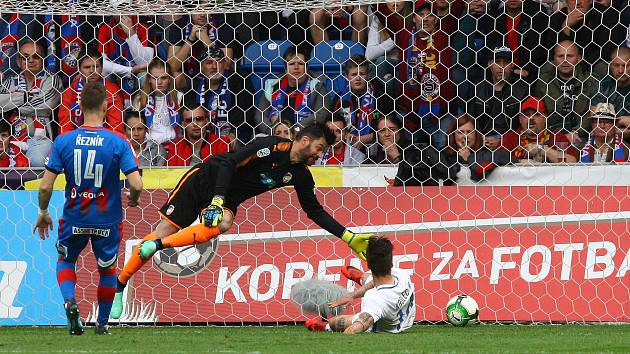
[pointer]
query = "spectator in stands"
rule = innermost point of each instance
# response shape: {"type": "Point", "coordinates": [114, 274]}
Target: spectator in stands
{"type": "Point", "coordinates": [533, 141]}
{"type": "Point", "coordinates": [148, 152]}
{"type": "Point", "coordinates": [190, 38]}
{"type": "Point", "coordinates": [623, 124]}
{"type": "Point", "coordinates": [226, 95]}
{"type": "Point", "coordinates": [426, 88]}
{"type": "Point", "coordinates": [469, 44]}
{"type": "Point", "coordinates": [10, 152]}
{"type": "Point", "coordinates": [32, 94]}
{"type": "Point", "coordinates": [339, 23]}
{"type": "Point", "coordinates": [615, 88]}
{"type": "Point", "coordinates": [521, 25]}
{"type": "Point", "coordinates": [496, 104]}
{"type": "Point", "coordinates": [358, 102]}
{"type": "Point", "coordinates": [90, 70]}
{"type": "Point", "coordinates": [605, 143]}
{"type": "Point", "coordinates": [448, 13]}
{"type": "Point", "coordinates": [283, 129]}
{"type": "Point", "coordinates": [466, 149]}
{"type": "Point", "coordinates": [381, 49]}
{"type": "Point", "coordinates": [567, 92]}
{"type": "Point", "coordinates": [159, 102]}
{"type": "Point", "coordinates": [341, 152]}
{"type": "Point", "coordinates": [595, 28]}
{"type": "Point", "coordinates": [123, 41]}
{"type": "Point", "coordinates": [390, 142]}
{"type": "Point", "coordinates": [198, 143]}
{"type": "Point", "coordinates": [297, 97]}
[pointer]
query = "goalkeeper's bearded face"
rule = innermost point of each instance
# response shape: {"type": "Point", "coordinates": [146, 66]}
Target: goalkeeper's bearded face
{"type": "Point", "coordinates": [310, 150]}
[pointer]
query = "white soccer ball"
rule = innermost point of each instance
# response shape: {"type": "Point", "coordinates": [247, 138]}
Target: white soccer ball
{"type": "Point", "coordinates": [461, 309]}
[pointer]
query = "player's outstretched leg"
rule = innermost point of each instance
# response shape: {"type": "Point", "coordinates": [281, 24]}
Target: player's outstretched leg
{"type": "Point", "coordinates": [133, 265]}
{"type": "Point", "coordinates": [191, 235]}
{"type": "Point", "coordinates": [317, 324]}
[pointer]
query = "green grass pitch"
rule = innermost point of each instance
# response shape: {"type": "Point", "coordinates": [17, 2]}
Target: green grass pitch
{"type": "Point", "coordinates": [296, 339]}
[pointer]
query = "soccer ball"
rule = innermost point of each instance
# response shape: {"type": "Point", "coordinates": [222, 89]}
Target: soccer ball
{"type": "Point", "coordinates": [186, 261]}
{"type": "Point", "coordinates": [461, 309]}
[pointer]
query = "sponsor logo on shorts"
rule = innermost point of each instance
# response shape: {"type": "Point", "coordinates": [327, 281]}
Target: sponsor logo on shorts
{"type": "Point", "coordinates": [263, 152]}
{"type": "Point", "coordinates": [170, 209]}
{"type": "Point", "coordinates": [287, 177]}
{"type": "Point", "coordinates": [90, 231]}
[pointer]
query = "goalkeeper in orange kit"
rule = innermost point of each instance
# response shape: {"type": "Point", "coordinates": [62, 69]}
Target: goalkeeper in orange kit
{"type": "Point", "coordinates": [213, 190]}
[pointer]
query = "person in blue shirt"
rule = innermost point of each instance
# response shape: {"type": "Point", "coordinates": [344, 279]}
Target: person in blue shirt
{"type": "Point", "coordinates": [91, 158]}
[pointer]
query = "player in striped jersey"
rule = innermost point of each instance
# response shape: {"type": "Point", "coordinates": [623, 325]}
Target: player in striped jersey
{"type": "Point", "coordinates": [91, 158]}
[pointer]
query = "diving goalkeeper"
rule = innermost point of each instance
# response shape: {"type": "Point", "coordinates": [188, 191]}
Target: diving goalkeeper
{"type": "Point", "coordinates": [213, 190]}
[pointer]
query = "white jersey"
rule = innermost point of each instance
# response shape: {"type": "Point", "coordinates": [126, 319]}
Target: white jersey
{"type": "Point", "coordinates": [392, 306]}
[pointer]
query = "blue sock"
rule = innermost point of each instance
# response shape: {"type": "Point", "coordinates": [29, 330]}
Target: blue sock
{"type": "Point", "coordinates": [105, 294]}
{"type": "Point", "coordinates": [67, 279]}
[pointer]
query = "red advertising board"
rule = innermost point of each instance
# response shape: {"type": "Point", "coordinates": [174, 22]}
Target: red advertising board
{"type": "Point", "coordinates": [524, 253]}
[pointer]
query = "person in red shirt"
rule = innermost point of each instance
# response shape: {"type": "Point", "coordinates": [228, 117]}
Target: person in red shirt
{"type": "Point", "coordinates": [198, 143]}
{"type": "Point", "coordinates": [533, 142]}
{"type": "Point", "coordinates": [341, 152]}
{"type": "Point", "coordinates": [90, 70]}
{"type": "Point", "coordinates": [10, 154]}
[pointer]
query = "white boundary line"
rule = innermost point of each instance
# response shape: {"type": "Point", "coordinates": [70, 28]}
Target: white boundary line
{"type": "Point", "coordinates": [437, 226]}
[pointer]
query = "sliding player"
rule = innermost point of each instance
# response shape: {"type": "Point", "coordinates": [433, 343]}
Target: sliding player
{"type": "Point", "coordinates": [91, 158]}
{"type": "Point", "coordinates": [215, 189]}
{"type": "Point", "coordinates": [387, 296]}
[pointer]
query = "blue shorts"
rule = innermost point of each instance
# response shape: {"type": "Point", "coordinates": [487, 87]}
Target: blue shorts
{"type": "Point", "coordinates": [105, 242]}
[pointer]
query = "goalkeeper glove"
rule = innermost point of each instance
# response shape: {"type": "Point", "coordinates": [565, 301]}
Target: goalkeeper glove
{"type": "Point", "coordinates": [212, 215]}
{"type": "Point", "coordinates": [358, 242]}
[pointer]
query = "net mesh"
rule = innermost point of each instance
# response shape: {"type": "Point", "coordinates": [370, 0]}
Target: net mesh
{"type": "Point", "coordinates": [507, 122]}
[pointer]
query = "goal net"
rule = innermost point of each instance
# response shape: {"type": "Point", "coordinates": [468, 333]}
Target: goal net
{"type": "Point", "coordinates": [487, 139]}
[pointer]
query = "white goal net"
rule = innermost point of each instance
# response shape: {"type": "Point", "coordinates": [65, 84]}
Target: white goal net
{"type": "Point", "coordinates": [487, 139]}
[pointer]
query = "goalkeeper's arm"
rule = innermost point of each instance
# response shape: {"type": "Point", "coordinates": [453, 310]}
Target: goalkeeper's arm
{"type": "Point", "coordinates": [305, 188]}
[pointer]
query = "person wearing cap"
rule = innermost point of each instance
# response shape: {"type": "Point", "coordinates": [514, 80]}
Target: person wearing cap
{"type": "Point", "coordinates": [227, 96]}
{"type": "Point", "coordinates": [426, 88]}
{"type": "Point", "coordinates": [533, 141]}
{"type": "Point", "coordinates": [567, 92]}
{"type": "Point", "coordinates": [605, 143]}
{"type": "Point", "coordinates": [521, 25]}
{"type": "Point", "coordinates": [496, 104]}
{"type": "Point", "coordinates": [298, 96]}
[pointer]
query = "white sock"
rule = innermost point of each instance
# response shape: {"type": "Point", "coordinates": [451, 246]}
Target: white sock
{"type": "Point", "coordinates": [327, 328]}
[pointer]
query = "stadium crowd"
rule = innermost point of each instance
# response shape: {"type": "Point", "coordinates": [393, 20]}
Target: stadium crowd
{"type": "Point", "coordinates": [485, 83]}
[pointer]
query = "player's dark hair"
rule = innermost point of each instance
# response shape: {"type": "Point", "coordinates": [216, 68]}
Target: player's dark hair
{"type": "Point", "coordinates": [90, 51]}
{"type": "Point", "coordinates": [316, 131]}
{"type": "Point", "coordinates": [379, 256]}
{"type": "Point", "coordinates": [93, 96]}
{"type": "Point", "coordinates": [357, 61]}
